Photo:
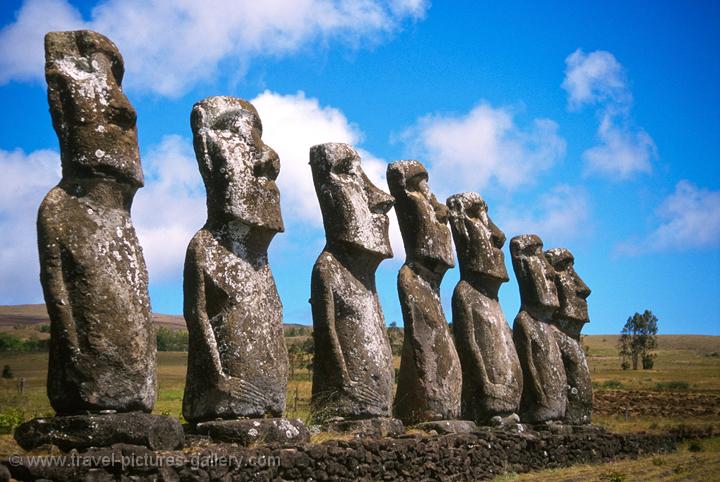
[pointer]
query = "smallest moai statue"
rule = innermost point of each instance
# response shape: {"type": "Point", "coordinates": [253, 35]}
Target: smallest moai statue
{"type": "Point", "coordinates": [492, 377]}
{"type": "Point", "coordinates": [569, 319]}
{"type": "Point", "coordinates": [430, 377]}
{"type": "Point", "coordinates": [544, 382]}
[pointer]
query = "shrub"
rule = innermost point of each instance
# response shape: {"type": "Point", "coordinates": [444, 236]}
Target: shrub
{"type": "Point", "coordinates": [695, 446]}
{"type": "Point", "coordinates": [613, 384]}
{"type": "Point", "coordinates": [7, 372]}
{"type": "Point", "coordinates": [14, 344]}
{"type": "Point", "coordinates": [672, 385]}
{"type": "Point", "coordinates": [44, 328]}
{"type": "Point", "coordinates": [171, 340]}
{"type": "Point", "coordinates": [10, 418]}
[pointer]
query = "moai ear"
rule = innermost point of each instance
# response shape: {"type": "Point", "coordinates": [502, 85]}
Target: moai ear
{"type": "Point", "coordinates": [199, 124]}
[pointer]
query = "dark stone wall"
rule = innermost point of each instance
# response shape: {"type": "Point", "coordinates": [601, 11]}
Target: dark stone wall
{"type": "Point", "coordinates": [479, 455]}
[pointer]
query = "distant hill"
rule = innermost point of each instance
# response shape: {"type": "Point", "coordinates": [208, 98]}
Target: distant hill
{"type": "Point", "coordinates": [28, 315]}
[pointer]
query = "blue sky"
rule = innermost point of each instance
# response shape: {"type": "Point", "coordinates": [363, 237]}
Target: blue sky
{"type": "Point", "coordinates": [592, 124]}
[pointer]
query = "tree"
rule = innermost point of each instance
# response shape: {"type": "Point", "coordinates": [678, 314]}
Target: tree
{"type": "Point", "coordinates": [637, 339]}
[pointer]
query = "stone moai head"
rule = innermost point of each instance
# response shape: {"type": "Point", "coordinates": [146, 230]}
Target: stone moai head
{"type": "Point", "coordinates": [354, 211]}
{"type": "Point", "coordinates": [422, 219]}
{"type": "Point", "coordinates": [238, 169]}
{"type": "Point", "coordinates": [535, 275]}
{"type": "Point", "coordinates": [572, 292]}
{"type": "Point", "coordinates": [93, 119]}
{"type": "Point", "coordinates": [477, 240]}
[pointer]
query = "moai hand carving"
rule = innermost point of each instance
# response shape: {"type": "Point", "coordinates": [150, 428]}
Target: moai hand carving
{"type": "Point", "coordinates": [430, 380]}
{"type": "Point", "coordinates": [570, 318]}
{"type": "Point", "coordinates": [492, 377]}
{"type": "Point", "coordinates": [544, 382]}
{"type": "Point", "coordinates": [237, 360]}
{"type": "Point", "coordinates": [102, 343]}
{"type": "Point", "coordinates": [353, 373]}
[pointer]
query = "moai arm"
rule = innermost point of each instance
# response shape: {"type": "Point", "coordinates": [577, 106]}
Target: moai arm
{"type": "Point", "coordinates": [323, 311]}
{"type": "Point", "coordinates": [522, 325]}
{"type": "Point", "coordinates": [465, 331]}
{"type": "Point", "coordinates": [206, 343]}
{"type": "Point", "coordinates": [56, 294]}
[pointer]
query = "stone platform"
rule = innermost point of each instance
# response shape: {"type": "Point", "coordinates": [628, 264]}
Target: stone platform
{"type": "Point", "coordinates": [367, 427]}
{"type": "Point", "coordinates": [247, 432]}
{"type": "Point", "coordinates": [483, 454]}
{"type": "Point", "coordinates": [443, 427]}
{"type": "Point", "coordinates": [156, 432]}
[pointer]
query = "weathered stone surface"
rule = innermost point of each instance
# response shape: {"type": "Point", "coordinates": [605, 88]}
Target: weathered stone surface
{"type": "Point", "coordinates": [369, 427]}
{"type": "Point", "coordinates": [430, 378]}
{"type": "Point", "coordinates": [569, 319]}
{"type": "Point", "coordinates": [255, 431]}
{"type": "Point", "coordinates": [492, 377]}
{"type": "Point", "coordinates": [544, 382]}
{"type": "Point", "coordinates": [237, 359]}
{"type": "Point", "coordinates": [102, 342]}
{"type": "Point", "coordinates": [352, 367]}
{"type": "Point", "coordinates": [156, 432]}
{"type": "Point", "coordinates": [443, 427]}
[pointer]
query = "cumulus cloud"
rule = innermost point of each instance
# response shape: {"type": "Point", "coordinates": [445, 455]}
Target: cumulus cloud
{"type": "Point", "coordinates": [20, 197]}
{"type": "Point", "coordinates": [169, 46]}
{"type": "Point", "coordinates": [622, 151]}
{"type": "Point", "coordinates": [689, 218]}
{"type": "Point", "coordinates": [467, 152]}
{"type": "Point", "coordinates": [594, 77]}
{"type": "Point", "coordinates": [559, 215]}
{"type": "Point", "coordinates": [170, 208]}
{"type": "Point", "coordinates": [599, 79]}
{"type": "Point", "coordinates": [291, 125]}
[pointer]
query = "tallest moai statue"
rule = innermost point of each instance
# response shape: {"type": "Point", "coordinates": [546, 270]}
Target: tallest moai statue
{"type": "Point", "coordinates": [102, 344]}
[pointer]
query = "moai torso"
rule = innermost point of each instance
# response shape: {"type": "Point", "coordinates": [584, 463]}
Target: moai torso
{"type": "Point", "coordinates": [237, 360]}
{"type": "Point", "coordinates": [492, 377]}
{"type": "Point", "coordinates": [102, 345]}
{"type": "Point", "coordinates": [430, 379]}
{"type": "Point", "coordinates": [352, 367]}
{"type": "Point", "coordinates": [569, 320]}
{"type": "Point", "coordinates": [544, 382]}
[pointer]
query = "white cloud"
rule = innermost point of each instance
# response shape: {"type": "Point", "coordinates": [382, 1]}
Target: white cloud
{"type": "Point", "coordinates": [291, 125]}
{"type": "Point", "coordinates": [594, 77]}
{"type": "Point", "coordinates": [171, 45]}
{"type": "Point", "coordinates": [170, 208]}
{"type": "Point", "coordinates": [25, 180]}
{"type": "Point", "coordinates": [622, 151]}
{"type": "Point", "coordinates": [561, 214]}
{"type": "Point", "coordinates": [466, 153]}
{"type": "Point", "coordinates": [599, 79]}
{"type": "Point", "coordinates": [689, 218]}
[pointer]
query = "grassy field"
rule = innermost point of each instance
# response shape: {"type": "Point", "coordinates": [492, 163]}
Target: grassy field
{"type": "Point", "coordinates": [689, 362]}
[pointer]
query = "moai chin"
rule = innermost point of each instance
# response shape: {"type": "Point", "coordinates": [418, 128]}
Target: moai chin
{"type": "Point", "coordinates": [237, 360]}
{"type": "Point", "coordinates": [544, 381]}
{"type": "Point", "coordinates": [569, 320]}
{"type": "Point", "coordinates": [353, 372]}
{"type": "Point", "coordinates": [102, 343]}
{"type": "Point", "coordinates": [492, 377]}
{"type": "Point", "coordinates": [430, 378]}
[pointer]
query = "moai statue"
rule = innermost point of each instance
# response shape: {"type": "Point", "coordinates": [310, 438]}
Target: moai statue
{"type": "Point", "coordinates": [102, 341]}
{"type": "Point", "coordinates": [492, 377]}
{"type": "Point", "coordinates": [237, 359]}
{"type": "Point", "coordinates": [430, 378]}
{"type": "Point", "coordinates": [569, 319]}
{"type": "Point", "coordinates": [353, 372]}
{"type": "Point", "coordinates": [544, 381]}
